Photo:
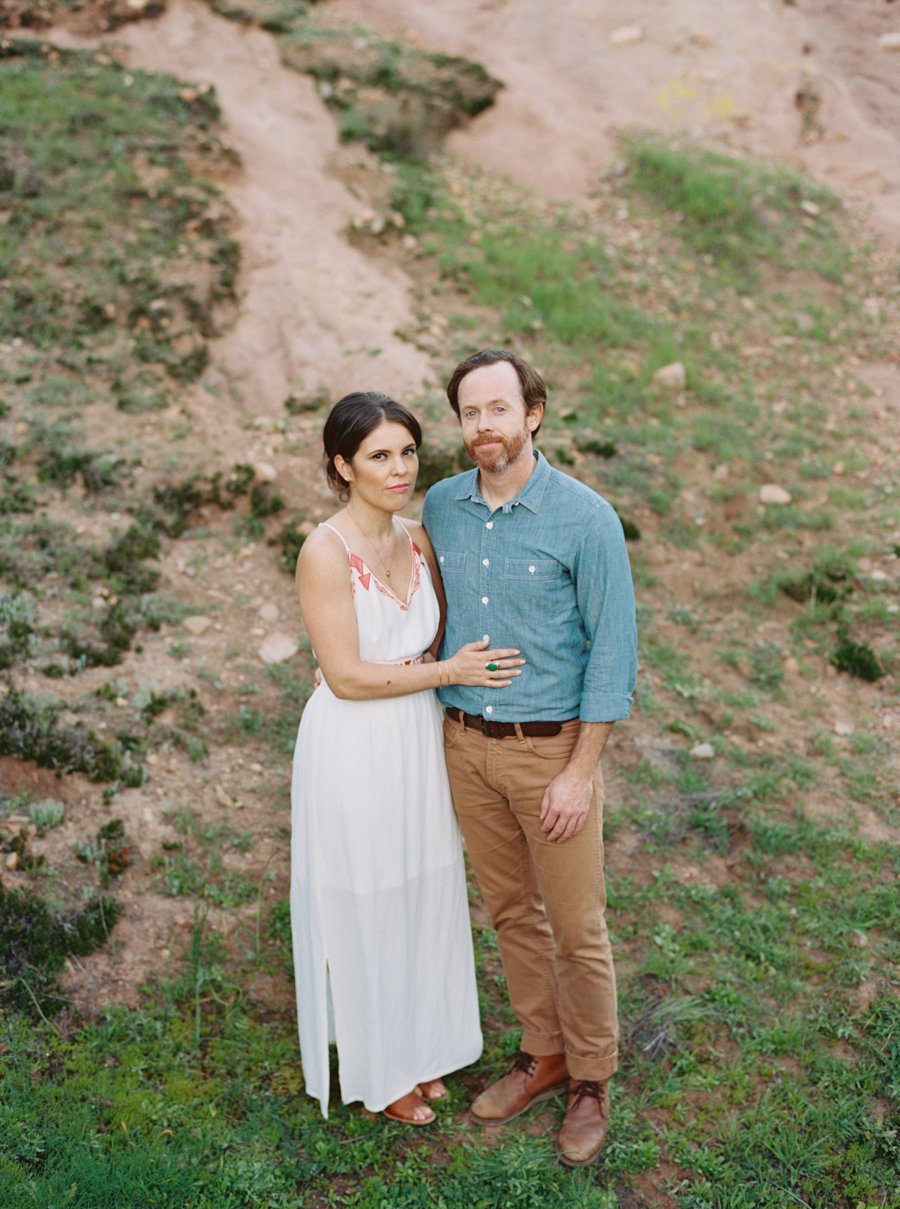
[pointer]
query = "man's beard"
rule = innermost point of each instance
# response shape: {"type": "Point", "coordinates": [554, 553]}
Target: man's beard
{"type": "Point", "coordinates": [496, 461]}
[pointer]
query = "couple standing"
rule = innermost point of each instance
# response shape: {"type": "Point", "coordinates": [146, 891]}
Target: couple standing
{"type": "Point", "coordinates": [522, 572]}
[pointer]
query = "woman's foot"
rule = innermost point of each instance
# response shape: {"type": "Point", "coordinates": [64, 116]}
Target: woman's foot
{"type": "Point", "coordinates": [433, 1089]}
{"type": "Point", "coordinates": [410, 1109]}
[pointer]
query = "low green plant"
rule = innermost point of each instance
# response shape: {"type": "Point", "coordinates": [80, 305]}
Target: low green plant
{"type": "Point", "coordinates": [35, 941]}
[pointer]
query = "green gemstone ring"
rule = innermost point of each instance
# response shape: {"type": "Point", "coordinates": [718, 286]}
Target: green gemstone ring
{"type": "Point", "coordinates": [491, 667]}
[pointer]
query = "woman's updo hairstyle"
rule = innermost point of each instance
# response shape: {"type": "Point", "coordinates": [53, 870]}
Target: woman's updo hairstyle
{"type": "Point", "coordinates": [349, 423]}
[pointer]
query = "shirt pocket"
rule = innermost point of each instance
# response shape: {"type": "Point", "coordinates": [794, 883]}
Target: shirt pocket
{"type": "Point", "coordinates": [545, 572]}
{"type": "Point", "coordinates": [452, 562]}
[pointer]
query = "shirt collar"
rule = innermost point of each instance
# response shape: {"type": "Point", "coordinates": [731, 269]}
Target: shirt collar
{"type": "Point", "coordinates": [531, 494]}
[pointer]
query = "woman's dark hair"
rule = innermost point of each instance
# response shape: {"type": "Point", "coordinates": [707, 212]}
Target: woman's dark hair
{"type": "Point", "coordinates": [349, 423]}
{"type": "Point", "coordinates": [534, 389]}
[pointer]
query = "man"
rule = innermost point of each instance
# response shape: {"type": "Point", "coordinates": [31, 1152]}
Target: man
{"type": "Point", "coordinates": [535, 560]}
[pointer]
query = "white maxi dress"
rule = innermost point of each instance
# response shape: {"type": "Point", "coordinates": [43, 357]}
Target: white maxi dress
{"type": "Point", "coordinates": [379, 912]}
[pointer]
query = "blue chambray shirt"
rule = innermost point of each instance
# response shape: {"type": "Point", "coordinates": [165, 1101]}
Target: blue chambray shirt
{"type": "Point", "coordinates": [547, 572]}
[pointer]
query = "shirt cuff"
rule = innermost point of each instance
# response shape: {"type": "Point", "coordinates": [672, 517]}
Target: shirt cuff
{"type": "Point", "coordinates": [604, 707]}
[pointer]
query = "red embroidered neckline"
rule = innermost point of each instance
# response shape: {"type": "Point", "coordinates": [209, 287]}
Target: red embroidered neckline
{"type": "Point", "coordinates": [367, 575]}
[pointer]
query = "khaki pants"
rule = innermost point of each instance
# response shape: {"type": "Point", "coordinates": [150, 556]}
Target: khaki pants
{"type": "Point", "coordinates": [546, 899]}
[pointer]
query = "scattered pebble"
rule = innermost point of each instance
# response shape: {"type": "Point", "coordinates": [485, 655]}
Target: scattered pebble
{"type": "Point", "coordinates": [890, 41]}
{"type": "Point", "coordinates": [627, 35]}
{"type": "Point", "coordinates": [673, 377]}
{"type": "Point", "coordinates": [771, 493]}
{"type": "Point", "coordinates": [223, 797]}
{"type": "Point", "coordinates": [703, 751]}
{"type": "Point", "coordinates": [277, 648]}
{"type": "Point", "coordinates": [269, 612]}
{"type": "Point", "coordinates": [810, 207]}
{"type": "Point", "coordinates": [197, 625]}
{"type": "Point", "coordinates": [265, 472]}
{"type": "Point", "coordinates": [843, 728]}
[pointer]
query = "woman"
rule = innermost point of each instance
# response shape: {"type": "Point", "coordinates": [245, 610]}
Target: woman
{"type": "Point", "coordinates": [382, 945]}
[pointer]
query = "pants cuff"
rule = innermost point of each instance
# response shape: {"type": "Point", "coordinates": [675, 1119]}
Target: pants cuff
{"type": "Point", "coordinates": [542, 1045]}
{"type": "Point", "coordinates": [599, 1069]}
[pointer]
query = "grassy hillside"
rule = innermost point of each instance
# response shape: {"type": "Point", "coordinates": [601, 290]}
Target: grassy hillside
{"type": "Point", "coordinates": [751, 817]}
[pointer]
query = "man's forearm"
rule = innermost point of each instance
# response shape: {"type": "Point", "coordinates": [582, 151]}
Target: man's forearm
{"type": "Point", "coordinates": [589, 745]}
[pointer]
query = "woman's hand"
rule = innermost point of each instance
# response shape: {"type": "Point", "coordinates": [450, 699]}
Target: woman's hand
{"type": "Point", "coordinates": [477, 667]}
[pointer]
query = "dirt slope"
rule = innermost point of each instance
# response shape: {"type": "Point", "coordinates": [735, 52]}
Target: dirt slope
{"type": "Point", "coordinates": [576, 71]}
{"type": "Point", "coordinates": [313, 311]}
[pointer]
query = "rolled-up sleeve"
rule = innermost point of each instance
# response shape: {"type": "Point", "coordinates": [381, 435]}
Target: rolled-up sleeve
{"type": "Point", "coordinates": [605, 596]}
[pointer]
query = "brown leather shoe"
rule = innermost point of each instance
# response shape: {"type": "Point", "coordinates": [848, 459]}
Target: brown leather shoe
{"type": "Point", "coordinates": [584, 1125]}
{"type": "Point", "coordinates": [531, 1080]}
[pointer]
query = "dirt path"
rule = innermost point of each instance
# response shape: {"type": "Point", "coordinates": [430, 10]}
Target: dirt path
{"type": "Point", "coordinates": [729, 73]}
{"type": "Point", "coordinates": [314, 312]}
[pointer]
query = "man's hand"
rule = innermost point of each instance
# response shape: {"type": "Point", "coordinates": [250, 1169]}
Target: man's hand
{"type": "Point", "coordinates": [565, 806]}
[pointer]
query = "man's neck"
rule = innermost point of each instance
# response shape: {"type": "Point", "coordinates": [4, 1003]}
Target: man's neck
{"type": "Point", "coordinates": [499, 487]}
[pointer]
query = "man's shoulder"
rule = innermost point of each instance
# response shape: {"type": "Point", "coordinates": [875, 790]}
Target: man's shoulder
{"type": "Point", "coordinates": [448, 488]}
{"type": "Point", "coordinates": [576, 493]}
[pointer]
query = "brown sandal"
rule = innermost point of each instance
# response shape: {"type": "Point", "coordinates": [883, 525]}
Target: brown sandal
{"type": "Point", "coordinates": [394, 1112]}
{"type": "Point", "coordinates": [432, 1089]}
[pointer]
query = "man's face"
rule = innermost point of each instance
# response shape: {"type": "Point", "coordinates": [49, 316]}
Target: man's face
{"type": "Point", "coordinates": [496, 428]}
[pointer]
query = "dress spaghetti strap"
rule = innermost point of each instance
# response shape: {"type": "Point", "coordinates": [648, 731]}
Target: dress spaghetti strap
{"type": "Point", "coordinates": [325, 525]}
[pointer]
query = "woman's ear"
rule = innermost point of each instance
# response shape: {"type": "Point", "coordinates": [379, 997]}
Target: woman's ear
{"type": "Point", "coordinates": [343, 467]}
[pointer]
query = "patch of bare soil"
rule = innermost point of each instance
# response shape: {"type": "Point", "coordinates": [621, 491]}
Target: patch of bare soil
{"type": "Point", "coordinates": [805, 81]}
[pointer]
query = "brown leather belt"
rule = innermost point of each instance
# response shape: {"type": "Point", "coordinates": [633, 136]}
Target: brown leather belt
{"type": "Point", "coordinates": [503, 730]}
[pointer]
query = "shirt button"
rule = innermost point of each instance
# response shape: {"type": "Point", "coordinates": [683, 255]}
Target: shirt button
{"type": "Point", "coordinates": [485, 599]}
{"type": "Point", "coordinates": [489, 525]}
{"type": "Point", "coordinates": [485, 562]}
{"type": "Point", "coordinates": [489, 709]}
{"type": "Point", "coordinates": [441, 560]}
{"type": "Point", "coordinates": [531, 569]}
{"type": "Point", "coordinates": [485, 638]}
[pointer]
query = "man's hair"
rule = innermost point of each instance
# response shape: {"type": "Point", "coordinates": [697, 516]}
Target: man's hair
{"type": "Point", "coordinates": [534, 389]}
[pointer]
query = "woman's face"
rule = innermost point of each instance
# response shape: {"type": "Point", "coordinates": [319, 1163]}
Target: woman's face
{"type": "Point", "coordinates": [383, 470]}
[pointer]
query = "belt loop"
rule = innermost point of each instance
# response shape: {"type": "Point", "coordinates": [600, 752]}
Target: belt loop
{"type": "Point", "coordinates": [519, 733]}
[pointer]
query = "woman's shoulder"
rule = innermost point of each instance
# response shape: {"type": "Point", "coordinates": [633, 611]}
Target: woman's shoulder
{"type": "Point", "coordinates": [324, 545]}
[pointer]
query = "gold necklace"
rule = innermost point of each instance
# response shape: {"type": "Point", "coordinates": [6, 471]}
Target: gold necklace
{"type": "Point", "coordinates": [371, 544]}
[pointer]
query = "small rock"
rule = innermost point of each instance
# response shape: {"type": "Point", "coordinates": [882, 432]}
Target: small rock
{"type": "Point", "coordinates": [269, 612]}
{"type": "Point", "coordinates": [859, 939]}
{"type": "Point", "coordinates": [703, 751]}
{"type": "Point", "coordinates": [771, 493]}
{"type": "Point", "coordinates": [843, 728]}
{"type": "Point", "coordinates": [121, 702]}
{"type": "Point", "coordinates": [672, 377]}
{"type": "Point", "coordinates": [699, 38]}
{"type": "Point", "coordinates": [791, 666]}
{"type": "Point", "coordinates": [197, 625]}
{"type": "Point", "coordinates": [223, 797]}
{"type": "Point", "coordinates": [265, 472]}
{"type": "Point", "coordinates": [890, 41]}
{"type": "Point", "coordinates": [256, 767]}
{"type": "Point", "coordinates": [810, 208]}
{"type": "Point", "coordinates": [277, 648]}
{"type": "Point", "coordinates": [627, 35]}
{"type": "Point", "coordinates": [721, 472]}
{"type": "Point", "coordinates": [838, 468]}
{"type": "Point", "coordinates": [878, 576]}
{"type": "Point", "coordinates": [803, 322]}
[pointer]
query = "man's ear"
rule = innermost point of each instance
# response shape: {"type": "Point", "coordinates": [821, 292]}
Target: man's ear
{"type": "Point", "coordinates": [534, 416]}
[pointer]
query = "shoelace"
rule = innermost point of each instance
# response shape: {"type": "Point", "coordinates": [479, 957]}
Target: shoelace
{"type": "Point", "coordinates": [585, 1088]}
{"type": "Point", "coordinates": [526, 1062]}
